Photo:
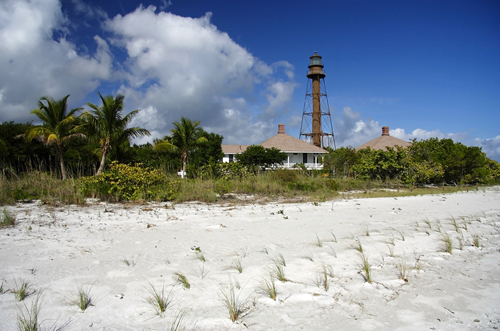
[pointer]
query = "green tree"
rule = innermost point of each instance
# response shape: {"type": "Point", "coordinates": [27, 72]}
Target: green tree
{"type": "Point", "coordinates": [341, 161]}
{"type": "Point", "coordinates": [206, 156]}
{"type": "Point", "coordinates": [257, 155]}
{"type": "Point", "coordinates": [459, 163]}
{"type": "Point", "coordinates": [380, 164]}
{"type": "Point", "coordinates": [107, 125]}
{"type": "Point", "coordinates": [183, 139]}
{"type": "Point", "coordinates": [58, 125]}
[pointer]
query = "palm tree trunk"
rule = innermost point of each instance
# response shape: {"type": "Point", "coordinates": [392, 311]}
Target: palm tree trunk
{"type": "Point", "coordinates": [103, 160]}
{"type": "Point", "coordinates": [184, 161]}
{"type": "Point", "coordinates": [61, 161]}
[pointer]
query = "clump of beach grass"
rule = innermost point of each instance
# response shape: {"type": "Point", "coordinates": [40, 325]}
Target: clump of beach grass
{"type": "Point", "coordinates": [428, 223]}
{"type": "Point", "coordinates": [279, 272]}
{"type": "Point", "coordinates": [83, 299]}
{"type": "Point", "coordinates": [391, 250]}
{"type": "Point", "coordinates": [235, 307]}
{"type": "Point", "coordinates": [366, 268]}
{"type": "Point", "coordinates": [8, 219]}
{"type": "Point", "coordinates": [23, 289]}
{"type": "Point", "coordinates": [280, 259]}
{"type": "Point", "coordinates": [403, 269]}
{"type": "Point", "coordinates": [322, 280]}
{"type": "Point", "coordinates": [358, 245]}
{"type": "Point", "coordinates": [268, 287]}
{"type": "Point", "coordinates": [199, 254]}
{"type": "Point", "coordinates": [183, 280]}
{"type": "Point", "coordinates": [237, 265]}
{"type": "Point", "coordinates": [128, 263]}
{"type": "Point", "coordinates": [448, 243]}
{"type": "Point", "coordinates": [203, 272]}
{"type": "Point", "coordinates": [334, 237]}
{"type": "Point", "coordinates": [28, 317]}
{"type": "Point", "coordinates": [464, 223]}
{"type": "Point", "coordinates": [475, 240]}
{"type": "Point", "coordinates": [159, 299]}
{"type": "Point", "coordinates": [319, 242]}
{"type": "Point", "coordinates": [400, 233]}
{"type": "Point", "coordinates": [178, 323]}
{"type": "Point", "coordinates": [455, 224]}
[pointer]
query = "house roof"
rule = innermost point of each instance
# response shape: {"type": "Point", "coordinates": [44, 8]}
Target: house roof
{"type": "Point", "coordinates": [281, 141]}
{"type": "Point", "coordinates": [384, 141]}
{"type": "Point", "coordinates": [234, 149]}
{"type": "Point", "coordinates": [287, 143]}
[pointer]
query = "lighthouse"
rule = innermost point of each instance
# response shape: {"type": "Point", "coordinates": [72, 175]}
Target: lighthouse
{"type": "Point", "coordinates": [316, 126]}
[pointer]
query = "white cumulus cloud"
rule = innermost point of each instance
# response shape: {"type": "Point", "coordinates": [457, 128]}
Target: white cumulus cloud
{"type": "Point", "coordinates": [33, 64]}
{"type": "Point", "coordinates": [183, 66]}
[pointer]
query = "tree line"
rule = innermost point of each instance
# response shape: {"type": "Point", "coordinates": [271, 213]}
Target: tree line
{"type": "Point", "coordinates": [80, 143]}
{"type": "Point", "coordinates": [431, 161]}
{"type": "Point", "coordinates": [86, 142]}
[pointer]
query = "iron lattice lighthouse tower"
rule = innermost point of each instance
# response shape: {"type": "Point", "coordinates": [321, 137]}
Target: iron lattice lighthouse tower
{"type": "Point", "coordinates": [316, 126]}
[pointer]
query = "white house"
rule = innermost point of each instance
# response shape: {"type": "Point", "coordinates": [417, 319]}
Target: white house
{"type": "Point", "coordinates": [298, 151]}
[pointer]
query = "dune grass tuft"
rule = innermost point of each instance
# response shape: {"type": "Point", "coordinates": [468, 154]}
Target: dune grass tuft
{"type": "Point", "coordinates": [237, 264]}
{"type": "Point", "coordinates": [159, 299]}
{"type": "Point", "coordinates": [428, 223]}
{"type": "Point", "coordinates": [403, 269]}
{"type": "Point", "coordinates": [178, 322]}
{"type": "Point", "coordinates": [400, 233]}
{"type": "Point", "coordinates": [322, 280]}
{"type": "Point", "coordinates": [280, 259]}
{"type": "Point", "coordinates": [455, 224]}
{"type": "Point", "coordinates": [23, 289]}
{"type": "Point", "coordinates": [183, 280]}
{"type": "Point", "coordinates": [235, 307]}
{"type": "Point", "coordinates": [8, 219]}
{"type": "Point", "coordinates": [28, 317]}
{"type": "Point", "coordinates": [268, 287]}
{"type": "Point", "coordinates": [366, 268]}
{"type": "Point", "coordinates": [279, 272]}
{"type": "Point", "coordinates": [319, 242]}
{"type": "Point", "coordinates": [358, 245]}
{"type": "Point", "coordinates": [391, 250]}
{"type": "Point", "coordinates": [83, 299]}
{"type": "Point", "coordinates": [448, 243]}
{"type": "Point", "coordinates": [475, 240]}
{"type": "Point", "coordinates": [334, 237]}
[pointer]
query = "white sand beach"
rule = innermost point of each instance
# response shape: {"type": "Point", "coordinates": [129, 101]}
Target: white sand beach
{"type": "Point", "coordinates": [118, 251]}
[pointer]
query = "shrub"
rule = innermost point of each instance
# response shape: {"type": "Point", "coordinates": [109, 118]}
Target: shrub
{"type": "Point", "coordinates": [126, 182]}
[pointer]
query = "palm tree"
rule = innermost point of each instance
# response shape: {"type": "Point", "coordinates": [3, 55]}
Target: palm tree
{"type": "Point", "coordinates": [58, 126]}
{"type": "Point", "coordinates": [184, 138]}
{"type": "Point", "coordinates": [107, 126]}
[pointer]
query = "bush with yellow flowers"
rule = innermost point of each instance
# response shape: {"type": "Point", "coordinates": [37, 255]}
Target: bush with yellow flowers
{"type": "Point", "coordinates": [130, 182]}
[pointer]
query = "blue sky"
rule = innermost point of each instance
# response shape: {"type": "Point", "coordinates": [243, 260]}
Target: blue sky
{"type": "Point", "coordinates": [423, 68]}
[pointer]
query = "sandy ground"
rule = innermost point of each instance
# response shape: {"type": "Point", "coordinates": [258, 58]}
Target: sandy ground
{"type": "Point", "coordinates": [118, 252]}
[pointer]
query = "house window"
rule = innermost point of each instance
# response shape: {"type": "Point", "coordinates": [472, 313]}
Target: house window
{"type": "Point", "coordinates": [304, 158]}
{"type": "Point", "coordinates": [231, 158]}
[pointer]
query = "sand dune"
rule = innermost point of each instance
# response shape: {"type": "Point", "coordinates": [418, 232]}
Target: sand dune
{"type": "Point", "coordinates": [117, 252]}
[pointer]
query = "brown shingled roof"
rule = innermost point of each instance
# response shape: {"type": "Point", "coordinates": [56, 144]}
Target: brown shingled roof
{"type": "Point", "coordinates": [384, 141]}
{"type": "Point", "coordinates": [287, 143]}
{"type": "Point", "coordinates": [234, 149]}
{"type": "Point", "coordinates": [281, 141]}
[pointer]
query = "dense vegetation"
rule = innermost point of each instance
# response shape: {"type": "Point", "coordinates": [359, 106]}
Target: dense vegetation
{"type": "Point", "coordinates": [69, 158]}
{"type": "Point", "coordinates": [431, 161]}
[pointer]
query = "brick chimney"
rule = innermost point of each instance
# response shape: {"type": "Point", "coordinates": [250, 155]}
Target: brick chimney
{"type": "Point", "coordinates": [385, 131]}
{"type": "Point", "coordinates": [281, 128]}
